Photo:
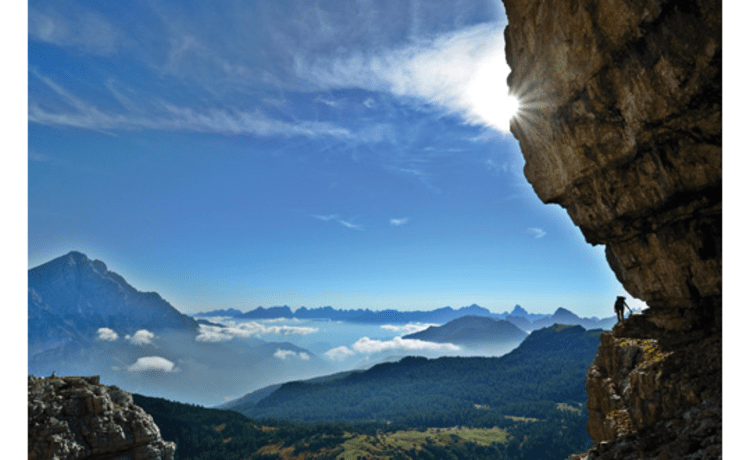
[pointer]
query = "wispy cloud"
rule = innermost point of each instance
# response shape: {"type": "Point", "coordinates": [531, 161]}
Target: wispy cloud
{"type": "Point", "coordinates": [73, 25]}
{"type": "Point", "coordinates": [152, 363]}
{"type": "Point", "coordinates": [350, 225]}
{"type": "Point", "coordinates": [336, 218]}
{"type": "Point", "coordinates": [172, 117]}
{"type": "Point", "coordinates": [328, 102]}
{"type": "Point", "coordinates": [250, 329]}
{"type": "Point", "coordinates": [107, 334]}
{"type": "Point", "coordinates": [537, 232]}
{"type": "Point", "coordinates": [399, 222]}
{"type": "Point", "coordinates": [462, 72]}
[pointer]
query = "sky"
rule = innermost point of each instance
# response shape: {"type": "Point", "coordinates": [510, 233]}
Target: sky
{"type": "Point", "coordinates": [258, 153]}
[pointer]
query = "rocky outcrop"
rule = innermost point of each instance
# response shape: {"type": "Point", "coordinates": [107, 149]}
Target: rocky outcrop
{"type": "Point", "coordinates": [650, 397]}
{"type": "Point", "coordinates": [78, 418]}
{"type": "Point", "coordinates": [621, 125]}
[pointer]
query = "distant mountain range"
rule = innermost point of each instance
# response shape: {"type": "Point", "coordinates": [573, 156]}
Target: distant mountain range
{"type": "Point", "coordinates": [519, 317]}
{"type": "Point", "coordinates": [548, 368]}
{"type": "Point", "coordinates": [365, 316]}
{"type": "Point", "coordinates": [84, 319]}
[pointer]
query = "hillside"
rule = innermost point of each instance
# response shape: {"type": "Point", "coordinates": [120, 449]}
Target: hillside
{"type": "Point", "coordinates": [208, 434]}
{"type": "Point", "coordinates": [549, 367]}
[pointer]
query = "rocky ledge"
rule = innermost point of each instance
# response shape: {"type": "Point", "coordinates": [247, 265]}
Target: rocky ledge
{"type": "Point", "coordinates": [655, 396]}
{"type": "Point", "coordinates": [620, 124]}
{"type": "Point", "coordinates": [78, 418]}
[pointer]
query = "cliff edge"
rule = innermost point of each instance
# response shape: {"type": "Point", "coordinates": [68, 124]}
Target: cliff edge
{"type": "Point", "coordinates": [78, 418]}
{"type": "Point", "coordinates": [620, 124]}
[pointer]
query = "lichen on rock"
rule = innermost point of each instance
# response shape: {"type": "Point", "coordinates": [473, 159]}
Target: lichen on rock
{"type": "Point", "coordinates": [78, 418]}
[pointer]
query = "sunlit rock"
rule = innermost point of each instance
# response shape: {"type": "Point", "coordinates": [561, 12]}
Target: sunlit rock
{"type": "Point", "coordinates": [620, 123]}
{"type": "Point", "coordinates": [78, 418]}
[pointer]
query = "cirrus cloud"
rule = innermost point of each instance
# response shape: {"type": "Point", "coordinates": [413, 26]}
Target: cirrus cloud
{"type": "Point", "coordinates": [461, 72]}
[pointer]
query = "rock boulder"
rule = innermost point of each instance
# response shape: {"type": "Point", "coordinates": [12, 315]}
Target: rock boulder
{"type": "Point", "coordinates": [78, 418]}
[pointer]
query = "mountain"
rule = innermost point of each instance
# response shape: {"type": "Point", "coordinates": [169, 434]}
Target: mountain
{"type": "Point", "coordinates": [71, 297]}
{"type": "Point", "coordinates": [520, 312]}
{"type": "Point", "coordinates": [549, 367]}
{"type": "Point", "coordinates": [474, 332]}
{"type": "Point", "coordinates": [268, 313]}
{"type": "Point", "coordinates": [390, 316]}
{"type": "Point", "coordinates": [563, 316]}
{"type": "Point", "coordinates": [229, 312]}
{"type": "Point", "coordinates": [260, 394]}
{"type": "Point", "coordinates": [520, 322]}
{"type": "Point", "coordinates": [86, 320]}
{"type": "Point", "coordinates": [518, 316]}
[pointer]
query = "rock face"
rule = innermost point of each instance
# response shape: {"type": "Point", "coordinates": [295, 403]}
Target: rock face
{"type": "Point", "coordinates": [621, 125]}
{"type": "Point", "coordinates": [78, 418]}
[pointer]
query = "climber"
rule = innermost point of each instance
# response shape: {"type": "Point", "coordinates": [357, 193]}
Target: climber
{"type": "Point", "coordinates": [620, 306]}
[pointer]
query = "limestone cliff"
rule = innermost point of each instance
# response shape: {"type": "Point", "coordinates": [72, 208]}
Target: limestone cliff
{"type": "Point", "coordinates": [78, 418]}
{"type": "Point", "coordinates": [621, 125]}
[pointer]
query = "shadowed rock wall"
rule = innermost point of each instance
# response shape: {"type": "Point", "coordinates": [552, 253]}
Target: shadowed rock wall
{"type": "Point", "coordinates": [621, 125]}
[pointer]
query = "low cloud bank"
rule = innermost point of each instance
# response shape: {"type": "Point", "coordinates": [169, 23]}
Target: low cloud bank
{"type": "Point", "coordinates": [366, 345]}
{"type": "Point", "coordinates": [250, 329]}
{"type": "Point", "coordinates": [406, 329]}
{"type": "Point", "coordinates": [284, 354]}
{"type": "Point", "coordinates": [339, 353]}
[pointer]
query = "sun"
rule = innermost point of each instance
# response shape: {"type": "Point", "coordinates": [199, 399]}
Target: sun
{"type": "Point", "coordinates": [487, 95]}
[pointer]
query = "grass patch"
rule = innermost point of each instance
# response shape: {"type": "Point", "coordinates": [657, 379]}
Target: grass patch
{"type": "Point", "coordinates": [521, 419]}
{"type": "Point", "coordinates": [569, 408]}
{"type": "Point", "coordinates": [385, 445]}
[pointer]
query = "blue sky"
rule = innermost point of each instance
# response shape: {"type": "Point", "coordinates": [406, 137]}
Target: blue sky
{"type": "Point", "coordinates": [248, 153]}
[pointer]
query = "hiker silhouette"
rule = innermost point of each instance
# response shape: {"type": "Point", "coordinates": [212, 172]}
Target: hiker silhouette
{"type": "Point", "coordinates": [620, 307]}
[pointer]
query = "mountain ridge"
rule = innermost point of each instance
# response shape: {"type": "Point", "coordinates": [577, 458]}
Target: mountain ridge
{"type": "Point", "coordinates": [389, 391]}
{"type": "Point", "coordinates": [518, 316]}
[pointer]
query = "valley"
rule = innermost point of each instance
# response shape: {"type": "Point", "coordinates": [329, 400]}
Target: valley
{"type": "Point", "coordinates": [316, 384]}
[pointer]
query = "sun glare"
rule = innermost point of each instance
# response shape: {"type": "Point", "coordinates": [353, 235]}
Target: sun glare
{"type": "Point", "coordinates": [488, 94]}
